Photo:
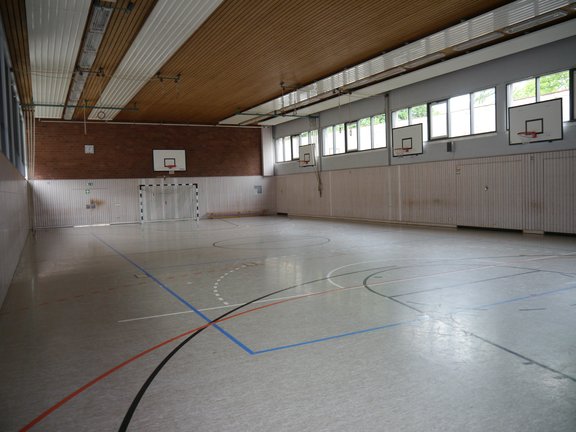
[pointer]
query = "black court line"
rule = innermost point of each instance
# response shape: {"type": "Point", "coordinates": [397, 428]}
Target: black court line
{"type": "Point", "coordinates": [457, 328]}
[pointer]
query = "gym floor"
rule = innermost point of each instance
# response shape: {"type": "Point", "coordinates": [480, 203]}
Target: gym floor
{"type": "Point", "coordinates": [279, 324]}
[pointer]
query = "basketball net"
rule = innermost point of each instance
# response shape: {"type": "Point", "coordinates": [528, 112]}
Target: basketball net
{"type": "Point", "coordinates": [528, 136]}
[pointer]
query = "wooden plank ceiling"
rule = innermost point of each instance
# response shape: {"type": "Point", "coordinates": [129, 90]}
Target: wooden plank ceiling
{"type": "Point", "coordinates": [246, 48]}
{"type": "Point", "coordinates": [242, 53]}
{"type": "Point", "coordinates": [14, 18]}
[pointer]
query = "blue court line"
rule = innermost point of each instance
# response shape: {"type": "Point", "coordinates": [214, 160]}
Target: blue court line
{"type": "Point", "coordinates": [328, 338]}
{"type": "Point", "coordinates": [177, 296]}
{"type": "Point", "coordinates": [338, 336]}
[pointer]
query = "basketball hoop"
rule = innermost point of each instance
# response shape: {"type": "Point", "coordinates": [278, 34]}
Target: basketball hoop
{"type": "Point", "coordinates": [528, 136]}
{"type": "Point", "coordinates": [170, 168]}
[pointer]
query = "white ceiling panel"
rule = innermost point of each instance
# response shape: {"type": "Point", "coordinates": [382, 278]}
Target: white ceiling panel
{"type": "Point", "coordinates": [169, 25]}
{"type": "Point", "coordinates": [55, 30]}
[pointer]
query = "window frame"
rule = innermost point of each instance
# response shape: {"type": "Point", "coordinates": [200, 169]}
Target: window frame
{"type": "Point", "coordinates": [537, 93]}
{"type": "Point", "coordinates": [471, 107]}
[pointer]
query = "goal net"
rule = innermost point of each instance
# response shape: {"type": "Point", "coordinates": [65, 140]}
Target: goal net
{"type": "Point", "coordinates": [163, 202]}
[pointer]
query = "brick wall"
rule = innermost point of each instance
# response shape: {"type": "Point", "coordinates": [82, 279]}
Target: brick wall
{"type": "Point", "coordinates": [125, 151]}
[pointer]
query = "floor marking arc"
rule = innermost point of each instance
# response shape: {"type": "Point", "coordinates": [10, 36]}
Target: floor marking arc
{"type": "Point", "coordinates": [175, 295]}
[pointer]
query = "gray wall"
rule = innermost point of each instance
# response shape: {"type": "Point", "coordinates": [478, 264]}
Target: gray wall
{"type": "Point", "coordinates": [498, 73]}
{"type": "Point", "coordinates": [14, 219]}
{"type": "Point", "coordinates": [484, 182]}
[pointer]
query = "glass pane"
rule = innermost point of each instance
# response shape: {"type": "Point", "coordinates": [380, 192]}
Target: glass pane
{"type": "Point", "coordinates": [287, 149]}
{"type": "Point", "coordinates": [279, 150]}
{"type": "Point", "coordinates": [459, 107]}
{"type": "Point", "coordinates": [556, 86]}
{"type": "Point", "coordinates": [400, 118]}
{"type": "Point", "coordinates": [379, 130]}
{"type": "Point", "coordinates": [439, 119]}
{"type": "Point", "coordinates": [522, 92]}
{"type": "Point", "coordinates": [339, 139]}
{"type": "Point", "coordinates": [365, 134]}
{"type": "Point", "coordinates": [295, 146]}
{"type": "Point", "coordinates": [328, 141]}
{"type": "Point", "coordinates": [304, 138]}
{"type": "Point", "coordinates": [419, 114]}
{"type": "Point", "coordinates": [351, 136]}
{"type": "Point", "coordinates": [484, 111]}
{"type": "Point", "coordinates": [313, 137]}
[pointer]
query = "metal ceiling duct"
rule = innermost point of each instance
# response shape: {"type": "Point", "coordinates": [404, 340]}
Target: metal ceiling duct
{"type": "Point", "coordinates": [94, 34]}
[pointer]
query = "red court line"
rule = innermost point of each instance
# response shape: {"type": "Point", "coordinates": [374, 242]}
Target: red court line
{"type": "Point", "coordinates": [99, 378]}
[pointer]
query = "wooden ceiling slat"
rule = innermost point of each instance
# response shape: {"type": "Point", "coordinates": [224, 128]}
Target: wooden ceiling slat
{"type": "Point", "coordinates": [14, 18]}
{"type": "Point", "coordinates": [239, 56]}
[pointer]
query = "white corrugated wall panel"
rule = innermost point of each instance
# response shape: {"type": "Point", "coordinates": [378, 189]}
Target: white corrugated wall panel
{"type": "Point", "coordinates": [13, 221]}
{"type": "Point", "coordinates": [366, 193]}
{"type": "Point", "coordinates": [532, 192]}
{"type": "Point", "coordinates": [490, 192]}
{"type": "Point", "coordinates": [560, 191]}
{"type": "Point", "coordinates": [240, 195]}
{"type": "Point", "coordinates": [59, 203]}
{"type": "Point", "coordinates": [428, 193]}
{"type": "Point", "coordinates": [298, 194]}
{"type": "Point", "coordinates": [169, 25]}
{"type": "Point", "coordinates": [55, 29]}
{"type": "Point", "coordinates": [533, 185]}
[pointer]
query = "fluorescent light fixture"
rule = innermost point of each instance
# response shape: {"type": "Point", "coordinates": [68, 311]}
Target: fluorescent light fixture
{"type": "Point", "coordinates": [534, 22]}
{"type": "Point", "coordinates": [477, 41]}
{"type": "Point", "coordinates": [424, 60]}
{"type": "Point", "coordinates": [95, 33]}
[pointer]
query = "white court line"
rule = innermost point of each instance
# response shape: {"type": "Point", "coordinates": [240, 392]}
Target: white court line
{"type": "Point", "coordinates": [215, 308]}
{"type": "Point", "coordinates": [329, 275]}
{"type": "Point", "coordinates": [482, 267]}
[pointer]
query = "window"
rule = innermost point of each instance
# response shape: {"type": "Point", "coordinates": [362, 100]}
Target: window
{"type": "Point", "coordinates": [400, 118]}
{"type": "Point", "coordinates": [328, 141]}
{"type": "Point", "coordinates": [484, 111]}
{"type": "Point", "coordinates": [556, 85]}
{"type": "Point", "coordinates": [339, 139]}
{"type": "Point", "coordinates": [287, 149]}
{"type": "Point", "coordinates": [379, 131]}
{"type": "Point", "coordinates": [545, 87]}
{"type": "Point", "coordinates": [295, 146]}
{"type": "Point", "coordinates": [410, 116]}
{"type": "Point", "coordinates": [280, 150]}
{"type": "Point", "coordinates": [459, 118]}
{"type": "Point", "coordinates": [364, 134]}
{"type": "Point", "coordinates": [351, 136]}
{"type": "Point", "coordinates": [419, 115]}
{"type": "Point", "coordinates": [439, 119]}
{"type": "Point", "coordinates": [467, 114]}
